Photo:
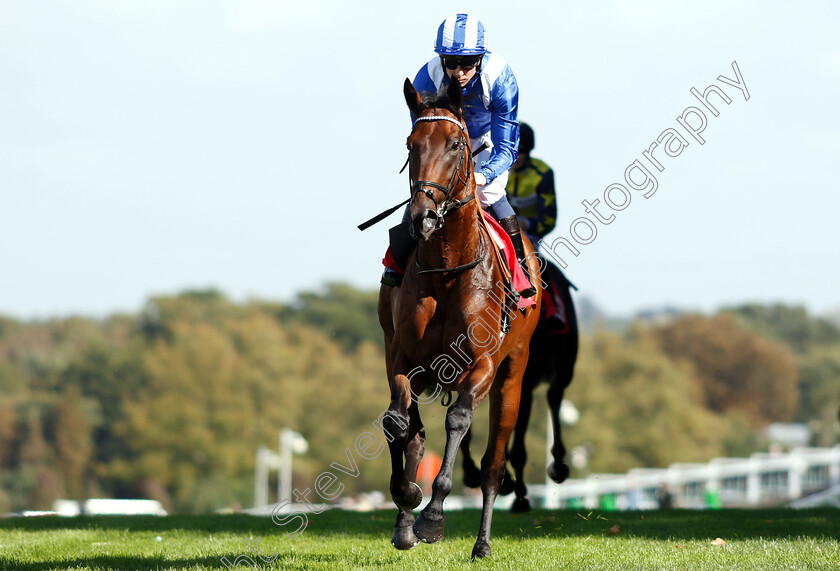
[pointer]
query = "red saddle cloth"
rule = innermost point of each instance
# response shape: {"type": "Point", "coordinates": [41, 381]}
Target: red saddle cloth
{"type": "Point", "coordinates": [520, 281]}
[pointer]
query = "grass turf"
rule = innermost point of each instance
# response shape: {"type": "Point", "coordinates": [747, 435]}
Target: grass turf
{"type": "Point", "coordinates": [540, 540]}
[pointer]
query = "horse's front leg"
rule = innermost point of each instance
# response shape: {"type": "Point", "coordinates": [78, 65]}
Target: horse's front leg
{"type": "Point", "coordinates": [406, 438]}
{"type": "Point", "coordinates": [504, 409]}
{"type": "Point", "coordinates": [403, 536]}
{"type": "Point", "coordinates": [429, 524]}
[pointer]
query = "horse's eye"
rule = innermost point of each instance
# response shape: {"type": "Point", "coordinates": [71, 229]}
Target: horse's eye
{"type": "Point", "coordinates": [455, 145]}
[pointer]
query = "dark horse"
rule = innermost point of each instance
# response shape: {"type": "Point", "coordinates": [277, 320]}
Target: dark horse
{"type": "Point", "coordinates": [442, 327]}
{"type": "Point", "coordinates": [552, 358]}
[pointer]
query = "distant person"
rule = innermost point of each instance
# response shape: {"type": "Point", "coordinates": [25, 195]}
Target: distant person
{"type": "Point", "coordinates": [491, 113]}
{"type": "Point", "coordinates": [664, 498]}
{"type": "Point", "coordinates": [530, 189]}
{"type": "Point", "coordinates": [531, 193]}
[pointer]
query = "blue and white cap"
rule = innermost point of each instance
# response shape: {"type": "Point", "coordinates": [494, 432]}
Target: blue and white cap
{"type": "Point", "coordinates": [460, 34]}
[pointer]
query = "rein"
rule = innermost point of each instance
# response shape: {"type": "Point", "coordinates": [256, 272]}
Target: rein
{"type": "Point", "coordinates": [421, 269]}
{"type": "Point", "coordinates": [449, 205]}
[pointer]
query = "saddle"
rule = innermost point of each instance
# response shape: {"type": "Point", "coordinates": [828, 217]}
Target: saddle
{"type": "Point", "coordinates": [502, 248]}
{"type": "Point", "coordinates": [513, 275]}
{"type": "Point", "coordinates": [554, 311]}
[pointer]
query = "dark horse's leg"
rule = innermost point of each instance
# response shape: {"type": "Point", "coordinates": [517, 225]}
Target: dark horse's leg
{"type": "Point", "coordinates": [564, 367]}
{"type": "Point", "coordinates": [407, 437]}
{"type": "Point", "coordinates": [504, 408]}
{"type": "Point", "coordinates": [518, 456]}
{"type": "Point", "coordinates": [472, 475]}
{"type": "Point", "coordinates": [558, 470]}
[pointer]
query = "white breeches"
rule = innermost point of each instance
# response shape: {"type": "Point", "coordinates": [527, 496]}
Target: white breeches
{"type": "Point", "coordinates": [491, 193]}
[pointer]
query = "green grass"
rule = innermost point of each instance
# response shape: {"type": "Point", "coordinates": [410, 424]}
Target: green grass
{"type": "Point", "coordinates": [541, 540]}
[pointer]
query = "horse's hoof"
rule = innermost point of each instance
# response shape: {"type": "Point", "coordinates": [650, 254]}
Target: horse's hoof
{"type": "Point", "coordinates": [428, 530]}
{"type": "Point", "coordinates": [481, 550]}
{"type": "Point", "coordinates": [403, 537]}
{"type": "Point", "coordinates": [508, 485]}
{"type": "Point", "coordinates": [412, 500]}
{"type": "Point", "coordinates": [558, 472]}
{"type": "Point", "coordinates": [520, 505]}
{"type": "Point", "coordinates": [472, 478]}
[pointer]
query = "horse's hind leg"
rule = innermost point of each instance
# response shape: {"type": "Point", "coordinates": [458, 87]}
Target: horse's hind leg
{"type": "Point", "coordinates": [558, 470]}
{"type": "Point", "coordinates": [472, 475]}
{"type": "Point", "coordinates": [504, 409]}
{"type": "Point", "coordinates": [518, 455]}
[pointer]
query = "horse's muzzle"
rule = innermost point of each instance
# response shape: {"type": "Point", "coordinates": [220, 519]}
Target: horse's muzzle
{"type": "Point", "coordinates": [422, 227]}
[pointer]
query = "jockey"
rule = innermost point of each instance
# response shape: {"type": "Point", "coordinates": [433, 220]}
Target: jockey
{"type": "Point", "coordinates": [490, 109]}
{"type": "Point", "coordinates": [530, 189]}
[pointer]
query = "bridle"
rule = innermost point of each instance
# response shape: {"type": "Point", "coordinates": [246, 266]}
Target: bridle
{"type": "Point", "coordinates": [460, 175]}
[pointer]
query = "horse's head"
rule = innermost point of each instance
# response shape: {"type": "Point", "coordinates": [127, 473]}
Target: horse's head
{"type": "Point", "coordinates": [440, 167]}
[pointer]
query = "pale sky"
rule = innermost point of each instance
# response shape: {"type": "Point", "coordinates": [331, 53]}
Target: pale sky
{"type": "Point", "coordinates": [151, 147]}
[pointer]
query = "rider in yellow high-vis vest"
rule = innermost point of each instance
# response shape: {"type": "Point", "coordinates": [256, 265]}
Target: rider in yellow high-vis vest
{"type": "Point", "coordinates": [530, 189]}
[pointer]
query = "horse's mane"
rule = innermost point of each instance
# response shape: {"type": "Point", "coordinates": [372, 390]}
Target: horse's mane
{"type": "Point", "coordinates": [433, 100]}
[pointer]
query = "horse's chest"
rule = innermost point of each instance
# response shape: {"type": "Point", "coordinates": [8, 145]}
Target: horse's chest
{"type": "Point", "coordinates": [423, 330]}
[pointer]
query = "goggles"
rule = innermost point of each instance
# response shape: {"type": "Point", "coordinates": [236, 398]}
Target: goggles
{"type": "Point", "coordinates": [464, 62]}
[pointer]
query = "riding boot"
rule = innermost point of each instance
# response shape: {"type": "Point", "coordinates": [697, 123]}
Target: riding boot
{"type": "Point", "coordinates": [401, 245]}
{"type": "Point", "coordinates": [511, 226]}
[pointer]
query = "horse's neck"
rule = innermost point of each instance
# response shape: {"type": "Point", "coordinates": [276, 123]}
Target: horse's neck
{"type": "Point", "coordinates": [457, 243]}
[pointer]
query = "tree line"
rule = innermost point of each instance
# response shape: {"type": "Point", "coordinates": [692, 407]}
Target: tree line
{"type": "Point", "coordinates": [172, 403]}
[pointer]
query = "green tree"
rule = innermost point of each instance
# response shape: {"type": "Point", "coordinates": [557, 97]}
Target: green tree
{"type": "Point", "coordinates": [8, 434]}
{"type": "Point", "coordinates": [72, 441]}
{"type": "Point", "coordinates": [790, 325]}
{"type": "Point", "coordinates": [737, 369]}
{"type": "Point", "coordinates": [346, 314]}
{"type": "Point", "coordinates": [639, 408]}
{"type": "Point", "coordinates": [820, 390]}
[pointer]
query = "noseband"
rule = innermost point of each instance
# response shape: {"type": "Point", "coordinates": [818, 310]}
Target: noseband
{"type": "Point", "coordinates": [460, 175]}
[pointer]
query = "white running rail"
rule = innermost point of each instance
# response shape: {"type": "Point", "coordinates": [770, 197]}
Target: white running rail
{"type": "Point", "coordinates": [762, 479]}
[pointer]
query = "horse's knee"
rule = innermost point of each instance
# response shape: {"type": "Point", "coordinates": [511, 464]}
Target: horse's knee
{"type": "Point", "coordinates": [458, 419]}
{"type": "Point", "coordinates": [395, 426]}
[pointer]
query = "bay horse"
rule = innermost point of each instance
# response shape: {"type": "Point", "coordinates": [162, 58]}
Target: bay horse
{"type": "Point", "coordinates": [553, 355]}
{"type": "Point", "coordinates": [442, 327]}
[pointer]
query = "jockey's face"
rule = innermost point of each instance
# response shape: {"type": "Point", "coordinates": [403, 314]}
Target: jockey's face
{"type": "Point", "coordinates": [462, 68]}
{"type": "Point", "coordinates": [463, 77]}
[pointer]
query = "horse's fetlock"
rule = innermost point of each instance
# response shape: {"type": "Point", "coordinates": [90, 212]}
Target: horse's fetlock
{"type": "Point", "coordinates": [442, 485]}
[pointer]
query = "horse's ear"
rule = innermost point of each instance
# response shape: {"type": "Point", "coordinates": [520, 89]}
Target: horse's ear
{"type": "Point", "coordinates": [412, 98]}
{"type": "Point", "coordinates": [453, 93]}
